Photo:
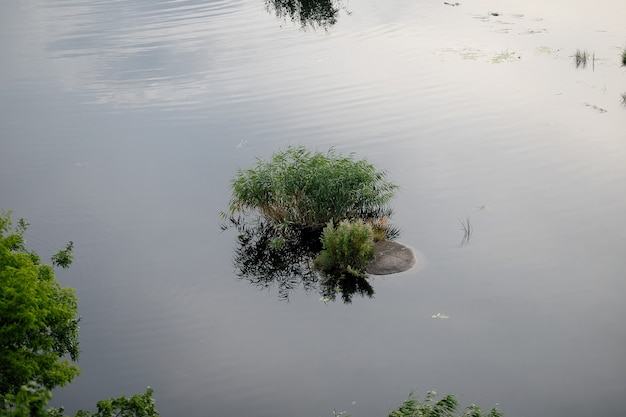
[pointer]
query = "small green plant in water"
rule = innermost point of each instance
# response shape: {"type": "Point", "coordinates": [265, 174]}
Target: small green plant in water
{"type": "Point", "coordinates": [447, 406]}
{"type": "Point", "coordinates": [347, 248]}
{"type": "Point", "coordinates": [299, 189]}
{"type": "Point", "coordinates": [624, 58]}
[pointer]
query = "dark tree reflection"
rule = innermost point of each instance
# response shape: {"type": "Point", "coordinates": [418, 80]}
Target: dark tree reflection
{"type": "Point", "coordinates": [306, 13]}
{"type": "Point", "coordinates": [268, 259]}
{"type": "Point", "coordinates": [345, 286]}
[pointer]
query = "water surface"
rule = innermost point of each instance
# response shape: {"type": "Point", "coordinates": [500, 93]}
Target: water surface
{"type": "Point", "coordinates": [123, 122]}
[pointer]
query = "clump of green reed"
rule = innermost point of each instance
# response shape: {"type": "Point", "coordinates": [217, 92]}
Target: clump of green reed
{"type": "Point", "coordinates": [624, 58]}
{"type": "Point", "coordinates": [432, 407]}
{"type": "Point", "coordinates": [581, 57]}
{"type": "Point", "coordinates": [302, 189]}
{"type": "Point", "coordinates": [347, 248]}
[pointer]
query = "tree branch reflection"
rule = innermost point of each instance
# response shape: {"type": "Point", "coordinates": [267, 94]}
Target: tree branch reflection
{"type": "Point", "coordinates": [267, 260]}
{"type": "Point", "coordinates": [306, 13]}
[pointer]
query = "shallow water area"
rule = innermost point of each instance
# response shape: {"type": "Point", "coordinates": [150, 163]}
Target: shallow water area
{"type": "Point", "coordinates": [123, 123]}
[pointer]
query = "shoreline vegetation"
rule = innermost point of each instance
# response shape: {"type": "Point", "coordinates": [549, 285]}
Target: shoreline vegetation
{"type": "Point", "coordinates": [39, 343]}
{"type": "Point", "coordinates": [446, 406]}
{"type": "Point", "coordinates": [38, 350]}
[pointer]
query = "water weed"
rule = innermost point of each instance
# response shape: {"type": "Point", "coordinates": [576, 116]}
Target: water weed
{"type": "Point", "coordinates": [302, 189]}
{"type": "Point", "coordinates": [582, 56]}
{"type": "Point", "coordinates": [347, 248]}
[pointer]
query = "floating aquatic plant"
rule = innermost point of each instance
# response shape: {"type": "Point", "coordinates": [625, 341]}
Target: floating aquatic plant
{"type": "Point", "coordinates": [506, 56]}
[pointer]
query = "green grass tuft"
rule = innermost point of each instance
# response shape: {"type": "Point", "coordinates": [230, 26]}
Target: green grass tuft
{"type": "Point", "coordinates": [302, 189]}
{"type": "Point", "coordinates": [347, 248]}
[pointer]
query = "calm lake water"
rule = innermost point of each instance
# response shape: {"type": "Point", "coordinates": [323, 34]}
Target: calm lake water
{"type": "Point", "coordinates": [122, 123]}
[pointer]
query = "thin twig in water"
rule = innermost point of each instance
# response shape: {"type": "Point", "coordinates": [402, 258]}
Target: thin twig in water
{"type": "Point", "coordinates": [593, 61]}
{"type": "Point", "coordinates": [467, 232]}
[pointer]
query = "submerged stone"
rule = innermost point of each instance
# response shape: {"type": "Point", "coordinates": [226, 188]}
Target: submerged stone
{"type": "Point", "coordinates": [391, 258]}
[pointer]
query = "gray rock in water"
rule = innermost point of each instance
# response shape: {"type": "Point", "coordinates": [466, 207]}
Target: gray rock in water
{"type": "Point", "coordinates": [391, 258]}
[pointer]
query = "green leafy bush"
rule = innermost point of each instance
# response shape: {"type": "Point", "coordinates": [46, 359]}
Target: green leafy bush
{"type": "Point", "coordinates": [39, 334]}
{"type": "Point", "coordinates": [347, 248]}
{"type": "Point", "coordinates": [301, 189]}
{"type": "Point", "coordinates": [31, 400]}
{"type": "Point", "coordinates": [138, 405]}
{"type": "Point", "coordinates": [38, 317]}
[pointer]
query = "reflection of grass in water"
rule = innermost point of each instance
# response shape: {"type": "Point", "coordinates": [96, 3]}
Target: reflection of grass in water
{"type": "Point", "coordinates": [624, 99]}
{"type": "Point", "coordinates": [467, 232]}
{"type": "Point", "coordinates": [582, 56]}
{"type": "Point", "coordinates": [624, 58]}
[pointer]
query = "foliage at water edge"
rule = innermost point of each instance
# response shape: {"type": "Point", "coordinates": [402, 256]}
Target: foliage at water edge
{"type": "Point", "coordinates": [39, 332]}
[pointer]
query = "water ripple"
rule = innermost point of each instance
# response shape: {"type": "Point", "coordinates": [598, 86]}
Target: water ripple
{"type": "Point", "coordinates": [138, 54]}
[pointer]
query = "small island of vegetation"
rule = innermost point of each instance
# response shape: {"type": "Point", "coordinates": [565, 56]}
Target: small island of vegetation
{"type": "Point", "coordinates": [308, 195]}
